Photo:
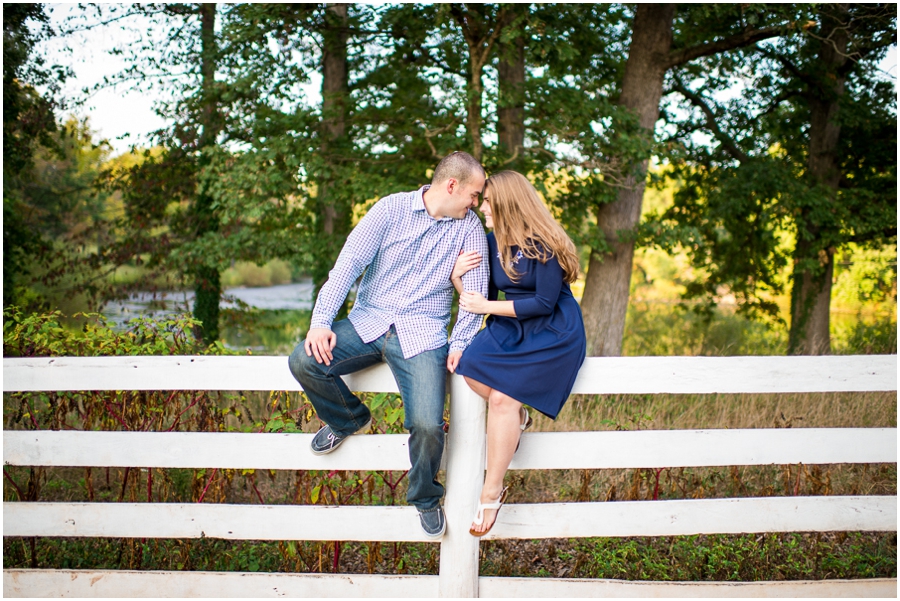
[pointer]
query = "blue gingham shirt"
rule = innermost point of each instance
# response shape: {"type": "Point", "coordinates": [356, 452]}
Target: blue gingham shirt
{"type": "Point", "coordinates": [408, 257]}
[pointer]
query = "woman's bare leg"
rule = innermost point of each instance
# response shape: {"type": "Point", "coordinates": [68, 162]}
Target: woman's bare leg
{"type": "Point", "coordinates": [482, 390]}
{"type": "Point", "coordinates": [503, 431]}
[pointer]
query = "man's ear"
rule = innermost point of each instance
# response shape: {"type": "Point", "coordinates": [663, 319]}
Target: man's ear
{"type": "Point", "coordinates": [451, 185]}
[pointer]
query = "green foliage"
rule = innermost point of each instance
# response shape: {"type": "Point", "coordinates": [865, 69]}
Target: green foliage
{"type": "Point", "coordinates": [244, 273]}
{"type": "Point", "coordinates": [28, 117]}
{"type": "Point", "coordinates": [667, 330]}
{"type": "Point", "coordinates": [221, 555]}
{"type": "Point", "coordinates": [58, 207]}
{"type": "Point", "coordinates": [865, 337]}
{"type": "Point", "coordinates": [866, 278]}
{"type": "Point", "coordinates": [28, 125]}
{"type": "Point", "coordinates": [751, 202]}
{"type": "Point", "coordinates": [746, 557]}
{"type": "Point", "coordinates": [272, 332]}
{"type": "Point", "coordinates": [44, 335]}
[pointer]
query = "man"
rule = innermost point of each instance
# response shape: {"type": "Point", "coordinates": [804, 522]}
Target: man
{"type": "Point", "coordinates": [407, 244]}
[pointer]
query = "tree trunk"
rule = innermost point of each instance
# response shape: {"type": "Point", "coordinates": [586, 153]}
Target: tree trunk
{"type": "Point", "coordinates": [333, 214]}
{"type": "Point", "coordinates": [811, 290]}
{"type": "Point", "coordinates": [606, 289]}
{"type": "Point", "coordinates": [207, 285]}
{"type": "Point", "coordinates": [511, 104]}
{"type": "Point", "coordinates": [480, 32]}
{"type": "Point", "coordinates": [473, 113]}
{"type": "Point", "coordinates": [335, 86]}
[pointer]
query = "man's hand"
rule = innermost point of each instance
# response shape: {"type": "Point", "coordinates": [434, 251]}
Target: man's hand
{"type": "Point", "coordinates": [320, 342]}
{"type": "Point", "coordinates": [453, 361]}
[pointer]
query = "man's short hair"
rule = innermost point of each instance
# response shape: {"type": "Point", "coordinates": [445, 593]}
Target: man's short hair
{"type": "Point", "coordinates": [458, 165]}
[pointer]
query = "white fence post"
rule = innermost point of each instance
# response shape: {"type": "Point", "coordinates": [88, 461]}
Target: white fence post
{"type": "Point", "coordinates": [465, 475]}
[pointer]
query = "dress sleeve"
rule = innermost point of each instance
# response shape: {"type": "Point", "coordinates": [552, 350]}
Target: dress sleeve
{"type": "Point", "coordinates": [548, 285]}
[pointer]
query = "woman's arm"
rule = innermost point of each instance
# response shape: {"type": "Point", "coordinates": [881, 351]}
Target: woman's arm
{"type": "Point", "coordinates": [474, 302]}
{"type": "Point", "coordinates": [549, 279]}
{"type": "Point", "coordinates": [548, 285]}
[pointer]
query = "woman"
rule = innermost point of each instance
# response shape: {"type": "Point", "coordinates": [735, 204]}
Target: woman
{"type": "Point", "coordinates": [533, 343]}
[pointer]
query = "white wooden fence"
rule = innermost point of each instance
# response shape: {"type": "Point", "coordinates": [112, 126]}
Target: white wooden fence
{"type": "Point", "coordinates": [464, 463]}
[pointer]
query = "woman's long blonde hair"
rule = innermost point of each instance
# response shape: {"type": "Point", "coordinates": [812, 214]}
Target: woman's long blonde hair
{"type": "Point", "coordinates": [521, 219]}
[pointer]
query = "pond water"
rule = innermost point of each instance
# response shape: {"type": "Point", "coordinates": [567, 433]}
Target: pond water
{"type": "Point", "coordinates": [280, 323]}
{"type": "Point", "coordinates": [297, 296]}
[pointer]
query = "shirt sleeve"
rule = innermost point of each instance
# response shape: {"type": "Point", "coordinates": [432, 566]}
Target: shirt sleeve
{"type": "Point", "coordinates": [549, 282]}
{"type": "Point", "coordinates": [358, 253]}
{"type": "Point", "coordinates": [476, 280]}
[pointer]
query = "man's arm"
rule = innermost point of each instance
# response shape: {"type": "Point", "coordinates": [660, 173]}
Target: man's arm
{"type": "Point", "coordinates": [468, 324]}
{"type": "Point", "coordinates": [359, 250]}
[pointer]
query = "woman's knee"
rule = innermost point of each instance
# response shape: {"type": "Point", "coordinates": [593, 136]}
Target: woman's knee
{"type": "Point", "coordinates": [498, 401]}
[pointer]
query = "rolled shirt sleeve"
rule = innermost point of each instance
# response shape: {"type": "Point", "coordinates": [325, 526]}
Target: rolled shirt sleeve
{"type": "Point", "coordinates": [475, 280]}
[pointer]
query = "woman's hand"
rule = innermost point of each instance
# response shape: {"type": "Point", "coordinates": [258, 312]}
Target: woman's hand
{"type": "Point", "coordinates": [474, 302]}
{"type": "Point", "coordinates": [466, 262]}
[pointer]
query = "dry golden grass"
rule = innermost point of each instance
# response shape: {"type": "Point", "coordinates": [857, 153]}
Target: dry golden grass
{"type": "Point", "coordinates": [715, 411]}
{"type": "Point", "coordinates": [682, 412]}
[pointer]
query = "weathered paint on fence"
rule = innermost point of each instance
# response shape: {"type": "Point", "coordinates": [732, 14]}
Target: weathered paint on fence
{"type": "Point", "coordinates": [459, 552]}
{"type": "Point", "coordinates": [117, 584]}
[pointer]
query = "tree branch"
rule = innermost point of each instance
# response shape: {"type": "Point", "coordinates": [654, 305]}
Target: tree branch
{"type": "Point", "coordinates": [785, 95]}
{"type": "Point", "coordinates": [860, 54]}
{"type": "Point", "coordinates": [726, 142]}
{"type": "Point", "coordinates": [679, 57]}
{"type": "Point", "coordinates": [790, 66]}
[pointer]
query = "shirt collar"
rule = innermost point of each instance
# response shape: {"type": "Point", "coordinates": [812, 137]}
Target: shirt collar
{"type": "Point", "coordinates": [418, 203]}
{"type": "Point", "coordinates": [418, 200]}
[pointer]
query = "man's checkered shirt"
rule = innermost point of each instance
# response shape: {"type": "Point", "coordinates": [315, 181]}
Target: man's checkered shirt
{"type": "Point", "coordinates": [408, 257]}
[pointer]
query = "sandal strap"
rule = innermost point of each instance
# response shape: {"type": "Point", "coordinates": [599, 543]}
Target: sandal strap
{"type": "Point", "coordinates": [479, 513]}
{"type": "Point", "coordinates": [528, 421]}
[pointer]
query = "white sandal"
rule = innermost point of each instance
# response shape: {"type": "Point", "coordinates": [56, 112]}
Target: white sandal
{"type": "Point", "coordinates": [479, 513]}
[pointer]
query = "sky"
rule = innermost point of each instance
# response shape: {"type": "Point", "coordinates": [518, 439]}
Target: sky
{"type": "Point", "coordinates": [125, 117]}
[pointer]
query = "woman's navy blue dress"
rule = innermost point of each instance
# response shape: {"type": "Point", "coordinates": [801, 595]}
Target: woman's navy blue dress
{"type": "Point", "coordinates": [535, 356]}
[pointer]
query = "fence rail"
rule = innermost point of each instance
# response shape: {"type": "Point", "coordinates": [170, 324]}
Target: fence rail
{"type": "Point", "coordinates": [464, 456]}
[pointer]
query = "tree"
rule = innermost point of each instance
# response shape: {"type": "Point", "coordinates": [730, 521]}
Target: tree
{"type": "Point", "coordinates": [655, 50]}
{"type": "Point", "coordinates": [511, 86]}
{"type": "Point", "coordinates": [207, 282]}
{"type": "Point", "coordinates": [29, 124]}
{"type": "Point", "coordinates": [224, 187]}
{"type": "Point", "coordinates": [805, 165]}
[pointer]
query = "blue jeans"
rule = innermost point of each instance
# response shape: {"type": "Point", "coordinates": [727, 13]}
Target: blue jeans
{"type": "Point", "coordinates": [422, 381]}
